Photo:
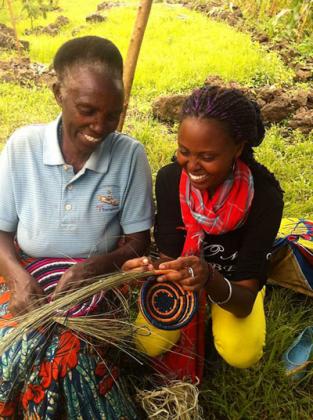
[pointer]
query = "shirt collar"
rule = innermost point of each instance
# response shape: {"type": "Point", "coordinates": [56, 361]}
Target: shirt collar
{"type": "Point", "coordinates": [98, 161]}
{"type": "Point", "coordinates": [52, 154]}
{"type": "Point", "coordinates": [100, 158]}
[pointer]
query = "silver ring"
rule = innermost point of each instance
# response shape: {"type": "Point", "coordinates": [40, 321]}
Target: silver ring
{"type": "Point", "coordinates": [191, 272]}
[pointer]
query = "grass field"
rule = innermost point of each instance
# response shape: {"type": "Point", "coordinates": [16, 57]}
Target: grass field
{"type": "Point", "coordinates": [181, 48]}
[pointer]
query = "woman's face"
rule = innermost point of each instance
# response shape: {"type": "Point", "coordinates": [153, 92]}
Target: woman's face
{"type": "Point", "coordinates": [91, 105]}
{"type": "Point", "coordinates": [206, 152]}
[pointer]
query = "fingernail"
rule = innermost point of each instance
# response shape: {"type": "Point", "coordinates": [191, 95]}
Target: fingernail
{"type": "Point", "coordinates": [145, 260]}
{"type": "Point", "coordinates": [161, 278]}
{"type": "Point", "coordinates": [162, 266]}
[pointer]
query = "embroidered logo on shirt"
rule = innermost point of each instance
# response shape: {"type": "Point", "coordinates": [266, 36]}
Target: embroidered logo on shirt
{"type": "Point", "coordinates": [106, 199]}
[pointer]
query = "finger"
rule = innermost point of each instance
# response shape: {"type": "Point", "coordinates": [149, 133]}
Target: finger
{"type": "Point", "coordinates": [135, 262]}
{"type": "Point", "coordinates": [136, 270]}
{"type": "Point", "coordinates": [172, 275]}
{"type": "Point", "coordinates": [164, 271]}
{"type": "Point", "coordinates": [190, 282]}
{"type": "Point", "coordinates": [191, 288]}
{"type": "Point", "coordinates": [179, 264]}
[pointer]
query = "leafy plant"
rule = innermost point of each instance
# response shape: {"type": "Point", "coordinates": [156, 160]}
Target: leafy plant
{"type": "Point", "coordinates": [36, 8]}
{"type": "Point", "coordinates": [295, 16]}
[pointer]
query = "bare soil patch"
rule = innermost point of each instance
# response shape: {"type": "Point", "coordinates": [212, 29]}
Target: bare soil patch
{"type": "Point", "coordinates": [277, 104]}
{"type": "Point", "coordinates": [25, 73]}
{"type": "Point", "coordinates": [53, 29]}
{"type": "Point", "coordinates": [232, 14]}
{"type": "Point", "coordinates": [8, 41]}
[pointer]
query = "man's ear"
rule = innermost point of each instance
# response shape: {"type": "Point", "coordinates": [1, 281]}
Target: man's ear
{"type": "Point", "coordinates": [56, 88]}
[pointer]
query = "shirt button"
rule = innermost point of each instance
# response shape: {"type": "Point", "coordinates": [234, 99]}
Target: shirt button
{"type": "Point", "coordinates": [65, 167]}
{"type": "Point", "coordinates": [68, 207]}
{"type": "Point", "coordinates": [70, 187]}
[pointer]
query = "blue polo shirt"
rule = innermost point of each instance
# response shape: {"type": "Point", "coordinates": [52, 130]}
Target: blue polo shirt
{"type": "Point", "coordinates": [55, 212]}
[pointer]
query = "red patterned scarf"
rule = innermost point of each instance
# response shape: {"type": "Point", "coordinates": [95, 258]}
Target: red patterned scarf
{"type": "Point", "coordinates": [225, 211]}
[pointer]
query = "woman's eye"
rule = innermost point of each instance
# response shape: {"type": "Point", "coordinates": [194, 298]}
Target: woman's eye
{"type": "Point", "coordinates": [183, 152]}
{"type": "Point", "coordinates": [86, 111]}
{"type": "Point", "coordinates": [207, 158]}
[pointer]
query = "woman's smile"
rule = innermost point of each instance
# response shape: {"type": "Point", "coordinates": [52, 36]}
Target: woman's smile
{"type": "Point", "coordinates": [91, 105]}
{"type": "Point", "coordinates": [206, 152]}
{"type": "Point", "coordinates": [91, 139]}
{"type": "Point", "coordinates": [197, 178]}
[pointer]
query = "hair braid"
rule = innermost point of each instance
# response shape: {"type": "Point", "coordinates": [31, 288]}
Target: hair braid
{"type": "Point", "coordinates": [239, 116]}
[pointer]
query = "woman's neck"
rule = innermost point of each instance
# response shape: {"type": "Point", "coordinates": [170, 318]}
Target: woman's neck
{"type": "Point", "coordinates": [72, 156]}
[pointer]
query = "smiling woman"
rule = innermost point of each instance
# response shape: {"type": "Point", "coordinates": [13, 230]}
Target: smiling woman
{"type": "Point", "coordinates": [74, 188]}
{"type": "Point", "coordinates": [91, 98]}
{"type": "Point", "coordinates": [218, 212]}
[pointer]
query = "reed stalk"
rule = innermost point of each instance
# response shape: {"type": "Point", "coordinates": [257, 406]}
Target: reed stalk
{"type": "Point", "coordinates": [55, 311]}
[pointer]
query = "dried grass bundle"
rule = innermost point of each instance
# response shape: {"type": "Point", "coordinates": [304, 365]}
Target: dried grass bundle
{"type": "Point", "coordinates": [177, 401]}
{"type": "Point", "coordinates": [108, 329]}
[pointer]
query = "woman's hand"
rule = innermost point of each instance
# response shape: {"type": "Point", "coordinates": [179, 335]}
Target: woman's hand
{"type": "Point", "coordinates": [73, 278]}
{"type": "Point", "coordinates": [26, 295]}
{"type": "Point", "coordinates": [191, 272]}
{"type": "Point", "coordinates": [138, 265]}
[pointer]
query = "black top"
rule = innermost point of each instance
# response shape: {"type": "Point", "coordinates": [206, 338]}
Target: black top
{"type": "Point", "coordinates": [239, 254]}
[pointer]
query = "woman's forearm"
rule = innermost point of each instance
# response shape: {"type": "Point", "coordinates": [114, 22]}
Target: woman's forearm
{"type": "Point", "coordinates": [134, 245]}
{"type": "Point", "coordinates": [239, 296]}
{"type": "Point", "coordinates": [10, 266]}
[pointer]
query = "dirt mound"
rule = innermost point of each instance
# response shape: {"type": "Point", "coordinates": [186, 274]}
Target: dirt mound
{"type": "Point", "coordinates": [6, 30]}
{"type": "Point", "coordinates": [105, 5]}
{"type": "Point", "coordinates": [231, 14]}
{"type": "Point", "coordinates": [303, 120]}
{"type": "Point", "coordinates": [25, 73]}
{"type": "Point", "coordinates": [8, 41]}
{"type": "Point", "coordinates": [292, 58]}
{"type": "Point", "coordinates": [53, 29]}
{"type": "Point", "coordinates": [276, 104]}
{"type": "Point", "coordinates": [215, 9]}
{"type": "Point", "coordinates": [95, 18]}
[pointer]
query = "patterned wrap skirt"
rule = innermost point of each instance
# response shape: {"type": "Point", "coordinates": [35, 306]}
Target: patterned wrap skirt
{"type": "Point", "coordinates": [52, 373]}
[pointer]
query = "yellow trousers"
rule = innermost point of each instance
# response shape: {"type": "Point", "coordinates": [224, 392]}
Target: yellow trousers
{"type": "Point", "coordinates": [239, 341]}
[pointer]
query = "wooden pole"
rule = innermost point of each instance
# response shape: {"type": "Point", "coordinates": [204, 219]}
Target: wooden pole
{"type": "Point", "coordinates": [12, 17]}
{"type": "Point", "coordinates": [133, 53]}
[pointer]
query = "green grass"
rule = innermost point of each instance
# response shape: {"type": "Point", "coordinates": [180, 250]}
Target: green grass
{"type": "Point", "coordinates": [289, 159]}
{"type": "Point", "coordinates": [171, 59]}
{"type": "Point", "coordinates": [264, 392]}
{"type": "Point", "coordinates": [181, 48]}
{"type": "Point", "coordinates": [20, 106]}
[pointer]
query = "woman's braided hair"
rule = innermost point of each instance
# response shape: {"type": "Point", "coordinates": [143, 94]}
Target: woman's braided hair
{"type": "Point", "coordinates": [238, 115]}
